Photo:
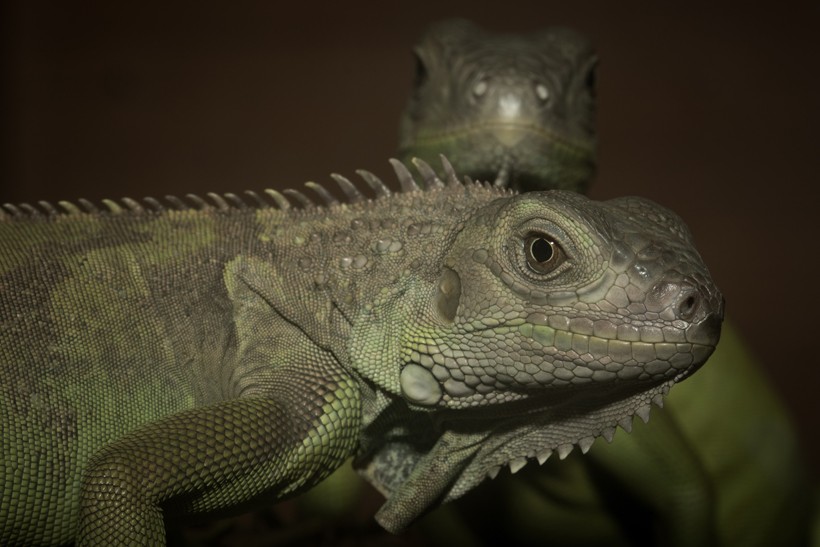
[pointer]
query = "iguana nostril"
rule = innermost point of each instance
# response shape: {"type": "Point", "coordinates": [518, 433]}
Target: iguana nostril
{"type": "Point", "coordinates": [688, 307]}
{"type": "Point", "coordinates": [678, 299]}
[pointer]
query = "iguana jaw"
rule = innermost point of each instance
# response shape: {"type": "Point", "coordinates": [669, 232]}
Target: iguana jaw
{"type": "Point", "coordinates": [558, 429]}
{"type": "Point", "coordinates": [422, 446]}
{"type": "Point", "coordinates": [426, 455]}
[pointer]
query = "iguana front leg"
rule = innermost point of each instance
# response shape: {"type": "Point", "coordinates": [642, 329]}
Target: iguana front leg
{"type": "Point", "coordinates": [423, 488]}
{"type": "Point", "coordinates": [295, 418]}
{"type": "Point", "coordinates": [213, 457]}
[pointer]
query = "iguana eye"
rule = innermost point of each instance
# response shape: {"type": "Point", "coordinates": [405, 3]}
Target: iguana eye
{"type": "Point", "coordinates": [543, 253]}
{"type": "Point", "coordinates": [542, 92]}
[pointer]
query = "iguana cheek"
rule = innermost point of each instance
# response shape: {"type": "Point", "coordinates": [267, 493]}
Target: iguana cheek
{"type": "Point", "coordinates": [418, 385]}
{"type": "Point", "coordinates": [448, 294]}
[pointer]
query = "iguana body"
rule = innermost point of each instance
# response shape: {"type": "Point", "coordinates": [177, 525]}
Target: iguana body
{"type": "Point", "coordinates": [160, 360]}
{"type": "Point", "coordinates": [722, 463]}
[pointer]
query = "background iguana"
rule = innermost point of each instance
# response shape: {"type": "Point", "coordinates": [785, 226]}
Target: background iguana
{"type": "Point", "coordinates": [191, 356]}
{"type": "Point", "coordinates": [721, 462]}
{"type": "Point", "coordinates": [517, 118]}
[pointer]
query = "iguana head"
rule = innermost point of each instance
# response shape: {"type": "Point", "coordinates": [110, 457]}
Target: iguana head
{"type": "Point", "coordinates": [553, 318]}
{"type": "Point", "coordinates": [497, 105]}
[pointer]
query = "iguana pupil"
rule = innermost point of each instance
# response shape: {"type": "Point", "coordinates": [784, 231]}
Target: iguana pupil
{"type": "Point", "coordinates": [541, 253]}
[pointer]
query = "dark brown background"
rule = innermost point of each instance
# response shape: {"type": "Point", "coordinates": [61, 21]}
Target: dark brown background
{"type": "Point", "coordinates": [710, 110]}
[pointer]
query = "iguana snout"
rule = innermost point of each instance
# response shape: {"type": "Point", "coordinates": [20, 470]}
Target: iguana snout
{"type": "Point", "coordinates": [691, 303]}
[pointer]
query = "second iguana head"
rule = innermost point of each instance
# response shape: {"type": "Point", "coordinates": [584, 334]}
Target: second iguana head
{"type": "Point", "coordinates": [498, 105]}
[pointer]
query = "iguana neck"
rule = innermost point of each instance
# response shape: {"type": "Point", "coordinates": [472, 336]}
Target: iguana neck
{"type": "Point", "coordinates": [514, 109]}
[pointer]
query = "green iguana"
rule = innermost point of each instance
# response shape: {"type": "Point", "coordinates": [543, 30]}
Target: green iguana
{"type": "Point", "coordinates": [195, 355]}
{"type": "Point", "coordinates": [721, 462]}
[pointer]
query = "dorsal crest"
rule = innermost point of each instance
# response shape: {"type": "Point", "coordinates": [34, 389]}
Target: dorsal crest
{"type": "Point", "coordinates": [283, 200]}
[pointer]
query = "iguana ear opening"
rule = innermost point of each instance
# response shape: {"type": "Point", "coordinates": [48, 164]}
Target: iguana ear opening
{"type": "Point", "coordinates": [448, 294]}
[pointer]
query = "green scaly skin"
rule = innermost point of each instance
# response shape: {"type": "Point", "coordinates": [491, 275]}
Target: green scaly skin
{"type": "Point", "coordinates": [167, 360]}
{"type": "Point", "coordinates": [721, 463]}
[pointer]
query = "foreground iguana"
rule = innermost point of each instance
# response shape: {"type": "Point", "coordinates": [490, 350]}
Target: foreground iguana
{"type": "Point", "coordinates": [721, 462]}
{"type": "Point", "coordinates": [196, 356]}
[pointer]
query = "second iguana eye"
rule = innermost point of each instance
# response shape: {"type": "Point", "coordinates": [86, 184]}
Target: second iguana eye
{"type": "Point", "coordinates": [542, 92]}
{"type": "Point", "coordinates": [543, 253]}
{"type": "Point", "coordinates": [480, 88]}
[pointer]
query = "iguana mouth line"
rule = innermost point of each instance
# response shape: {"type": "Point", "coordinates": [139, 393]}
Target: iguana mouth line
{"type": "Point", "coordinates": [566, 358]}
{"type": "Point", "coordinates": [676, 334]}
